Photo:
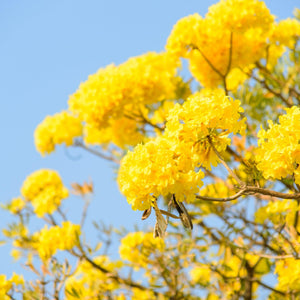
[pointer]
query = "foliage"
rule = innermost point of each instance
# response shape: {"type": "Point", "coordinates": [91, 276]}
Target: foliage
{"type": "Point", "coordinates": [229, 149]}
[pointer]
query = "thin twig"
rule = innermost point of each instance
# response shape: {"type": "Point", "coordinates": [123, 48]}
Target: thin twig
{"type": "Point", "coordinates": [269, 287]}
{"type": "Point", "coordinates": [267, 87]}
{"type": "Point", "coordinates": [231, 198]}
{"type": "Point", "coordinates": [93, 151]}
{"type": "Point", "coordinates": [254, 189]}
{"type": "Point", "coordinates": [230, 55]}
{"type": "Point", "coordinates": [169, 214]}
{"type": "Point", "coordinates": [271, 256]}
{"type": "Point", "coordinates": [250, 190]}
{"type": "Point", "coordinates": [84, 212]}
{"type": "Point", "coordinates": [116, 277]}
{"type": "Point", "coordinates": [207, 60]}
{"type": "Point", "coordinates": [62, 214]}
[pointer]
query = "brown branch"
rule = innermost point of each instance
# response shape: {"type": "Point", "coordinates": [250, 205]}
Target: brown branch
{"type": "Point", "coordinates": [166, 213]}
{"type": "Point", "coordinates": [267, 87]}
{"type": "Point", "coordinates": [250, 190]}
{"type": "Point", "coordinates": [113, 276]}
{"type": "Point", "coordinates": [233, 278]}
{"type": "Point", "coordinates": [93, 151]}
{"type": "Point", "coordinates": [84, 212]}
{"type": "Point", "coordinates": [269, 287]}
{"type": "Point", "coordinates": [116, 277]}
{"type": "Point", "coordinates": [230, 55]}
{"type": "Point", "coordinates": [62, 214]}
{"type": "Point", "coordinates": [147, 121]}
{"type": "Point", "coordinates": [194, 47]}
{"type": "Point", "coordinates": [254, 189]}
{"type": "Point", "coordinates": [269, 73]}
{"type": "Point", "coordinates": [271, 256]}
{"type": "Point", "coordinates": [143, 119]}
{"type": "Point", "coordinates": [282, 84]}
{"type": "Point", "coordinates": [237, 156]}
{"type": "Point", "coordinates": [231, 198]}
{"type": "Point", "coordinates": [228, 66]}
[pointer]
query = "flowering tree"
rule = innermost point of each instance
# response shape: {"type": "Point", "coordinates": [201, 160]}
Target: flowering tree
{"type": "Point", "coordinates": [214, 157]}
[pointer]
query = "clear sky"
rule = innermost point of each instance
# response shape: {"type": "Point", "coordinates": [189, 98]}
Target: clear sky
{"type": "Point", "coordinates": [46, 49]}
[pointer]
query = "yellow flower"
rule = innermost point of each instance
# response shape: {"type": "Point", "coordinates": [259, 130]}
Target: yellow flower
{"type": "Point", "coordinates": [89, 282]}
{"type": "Point", "coordinates": [137, 248]}
{"type": "Point", "coordinates": [240, 15]}
{"type": "Point", "coordinates": [155, 169]}
{"type": "Point", "coordinates": [286, 32]}
{"type": "Point", "coordinates": [278, 153]}
{"type": "Point", "coordinates": [283, 34]}
{"type": "Point", "coordinates": [205, 118]}
{"type": "Point", "coordinates": [233, 34]}
{"type": "Point", "coordinates": [16, 254]}
{"type": "Point", "coordinates": [122, 132]}
{"type": "Point", "coordinates": [57, 129]}
{"type": "Point", "coordinates": [7, 284]}
{"type": "Point", "coordinates": [288, 271]}
{"type": "Point", "coordinates": [145, 79]}
{"type": "Point", "coordinates": [145, 295]}
{"type": "Point", "coordinates": [44, 190]}
{"type": "Point", "coordinates": [49, 240]}
{"type": "Point", "coordinates": [278, 212]}
{"type": "Point", "coordinates": [201, 275]}
{"type": "Point", "coordinates": [234, 78]}
{"type": "Point", "coordinates": [17, 279]}
{"type": "Point", "coordinates": [218, 189]}
{"type": "Point", "coordinates": [16, 205]}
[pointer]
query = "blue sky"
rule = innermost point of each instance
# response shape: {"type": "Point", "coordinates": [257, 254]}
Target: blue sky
{"type": "Point", "coordinates": [47, 49]}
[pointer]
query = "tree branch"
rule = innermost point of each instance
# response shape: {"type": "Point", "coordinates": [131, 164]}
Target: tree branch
{"type": "Point", "coordinates": [106, 157]}
{"type": "Point", "coordinates": [249, 190]}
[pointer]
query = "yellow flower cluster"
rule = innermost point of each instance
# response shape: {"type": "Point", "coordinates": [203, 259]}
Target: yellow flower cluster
{"type": "Point", "coordinates": [170, 163]}
{"type": "Point", "coordinates": [49, 240]}
{"type": "Point", "coordinates": [137, 248]}
{"type": "Point", "coordinates": [202, 121]}
{"type": "Point", "coordinates": [7, 284]}
{"type": "Point", "coordinates": [155, 169]}
{"type": "Point", "coordinates": [144, 79]}
{"type": "Point", "coordinates": [201, 274]}
{"type": "Point", "coordinates": [122, 132]}
{"type": "Point", "coordinates": [44, 190]}
{"type": "Point", "coordinates": [16, 205]}
{"type": "Point", "coordinates": [233, 34]}
{"type": "Point", "coordinates": [278, 212]}
{"type": "Point", "coordinates": [283, 34]}
{"type": "Point", "coordinates": [286, 32]}
{"type": "Point", "coordinates": [288, 271]}
{"type": "Point", "coordinates": [240, 15]}
{"type": "Point", "coordinates": [90, 283]}
{"type": "Point", "coordinates": [57, 129]}
{"type": "Point", "coordinates": [278, 154]}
